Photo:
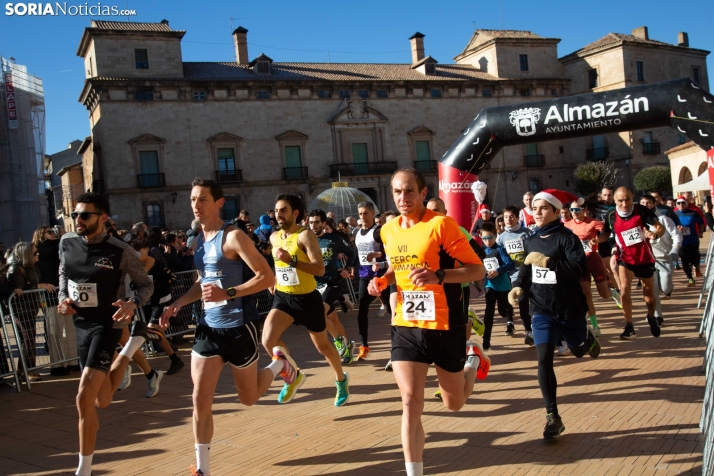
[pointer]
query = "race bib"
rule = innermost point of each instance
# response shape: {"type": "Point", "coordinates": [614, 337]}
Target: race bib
{"type": "Point", "coordinates": [532, 227]}
{"type": "Point", "coordinates": [543, 275]}
{"type": "Point", "coordinates": [363, 258]}
{"type": "Point", "coordinates": [321, 288]}
{"type": "Point", "coordinates": [418, 306]}
{"type": "Point", "coordinates": [632, 236]}
{"type": "Point", "coordinates": [514, 246]}
{"type": "Point", "coordinates": [586, 247]}
{"type": "Point", "coordinates": [491, 264]}
{"type": "Point", "coordinates": [83, 294]}
{"type": "Point", "coordinates": [686, 231]}
{"type": "Point", "coordinates": [211, 305]}
{"type": "Point", "coordinates": [286, 276]}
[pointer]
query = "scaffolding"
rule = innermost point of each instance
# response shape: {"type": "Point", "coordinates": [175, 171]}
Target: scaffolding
{"type": "Point", "coordinates": [23, 203]}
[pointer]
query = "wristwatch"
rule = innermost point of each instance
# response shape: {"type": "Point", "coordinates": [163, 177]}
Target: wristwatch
{"type": "Point", "coordinates": [231, 293]}
{"type": "Point", "coordinates": [293, 263]}
{"type": "Point", "coordinates": [441, 274]}
{"type": "Point", "coordinates": [135, 300]}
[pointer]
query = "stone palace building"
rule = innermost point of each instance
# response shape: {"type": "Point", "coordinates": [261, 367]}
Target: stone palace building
{"type": "Point", "coordinates": [262, 127]}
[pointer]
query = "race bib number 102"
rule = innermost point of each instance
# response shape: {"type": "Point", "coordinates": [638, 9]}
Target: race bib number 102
{"type": "Point", "coordinates": [418, 306]}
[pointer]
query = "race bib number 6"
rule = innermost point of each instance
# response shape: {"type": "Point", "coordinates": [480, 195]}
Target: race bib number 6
{"type": "Point", "coordinates": [543, 275]}
{"type": "Point", "coordinates": [418, 306]}
{"type": "Point", "coordinates": [632, 236]}
{"type": "Point", "coordinates": [83, 294]}
{"type": "Point", "coordinates": [286, 276]}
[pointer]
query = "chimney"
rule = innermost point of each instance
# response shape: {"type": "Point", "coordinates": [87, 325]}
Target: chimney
{"type": "Point", "coordinates": [641, 33]}
{"type": "Point", "coordinates": [683, 39]}
{"type": "Point", "coordinates": [417, 42]}
{"type": "Point", "coordinates": [240, 40]}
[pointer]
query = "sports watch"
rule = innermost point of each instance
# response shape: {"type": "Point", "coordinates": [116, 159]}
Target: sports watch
{"type": "Point", "coordinates": [135, 300]}
{"type": "Point", "coordinates": [231, 293]}
{"type": "Point", "coordinates": [441, 274]}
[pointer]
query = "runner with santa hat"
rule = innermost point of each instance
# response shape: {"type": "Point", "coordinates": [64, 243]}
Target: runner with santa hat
{"type": "Point", "coordinates": [555, 262]}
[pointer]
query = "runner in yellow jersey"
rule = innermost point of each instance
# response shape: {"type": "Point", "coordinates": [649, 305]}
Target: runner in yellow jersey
{"type": "Point", "coordinates": [298, 259]}
{"type": "Point", "coordinates": [428, 325]}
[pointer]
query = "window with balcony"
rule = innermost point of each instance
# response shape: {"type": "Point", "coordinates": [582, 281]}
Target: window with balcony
{"type": "Point", "coordinates": [150, 173]}
{"type": "Point", "coordinates": [423, 160]}
{"type": "Point", "coordinates": [141, 58]}
{"type": "Point", "coordinates": [598, 150]}
{"type": "Point", "coordinates": [360, 158]}
{"type": "Point", "coordinates": [532, 158]}
{"type": "Point", "coordinates": [293, 162]}
{"type": "Point", "coordinates": [649, 146]}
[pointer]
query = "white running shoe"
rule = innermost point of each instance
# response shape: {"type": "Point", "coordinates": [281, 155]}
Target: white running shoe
{"type": "Point", "coordinates": [563, 350]}
{"type": "Point", "coordinates": [388, 367]}
{"type": "Point", "coordinates": [126, 381]}
{"type": "Point", "coordinates": [154, 383]}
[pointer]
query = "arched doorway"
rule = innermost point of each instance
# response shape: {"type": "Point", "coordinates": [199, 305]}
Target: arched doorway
{"type": "Point", "coordinates": [702, 168]}
{"type": "Point", "coordinates": [685, 175]}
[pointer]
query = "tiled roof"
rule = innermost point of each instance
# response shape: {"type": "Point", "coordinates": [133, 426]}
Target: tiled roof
{"type": "Point", "coordinates": [510, 34]}
{"type": "Point", "coordinates": [130, 26]}
{"type": "Point", "coordinates": [483, 38]}
{"type": "Point", "coordinates": [331, 72]}
{"type": "Point", "coordinates": [685, 146]}
{"type": "Point", "coordinates": [615, 39]}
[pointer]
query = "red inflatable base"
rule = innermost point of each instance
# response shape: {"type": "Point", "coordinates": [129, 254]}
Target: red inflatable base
{"type": "Point", "coordinates": [455, 191]}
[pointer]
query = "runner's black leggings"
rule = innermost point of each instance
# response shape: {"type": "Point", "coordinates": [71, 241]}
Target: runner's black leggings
{"type": "Point", "coordinates": [546, 376]}
{"type": "Point", "coordinates": [690, 257]}
{"type": "Point", "coordinates": [365, 299]}
{"type": "Point", "coordinates": [525, 309]}
{"type": "Point", "coordinates": [504, 309]}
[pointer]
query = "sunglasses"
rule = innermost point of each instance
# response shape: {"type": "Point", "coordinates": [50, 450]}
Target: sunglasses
{"type": "Point", "coordinates": [576, 210]}
{"type": "Point", "coordinates": [489, 237]}
{"type": "Point", "coordinates": [83, 215]}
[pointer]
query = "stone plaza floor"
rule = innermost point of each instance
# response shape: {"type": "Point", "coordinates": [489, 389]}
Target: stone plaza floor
{"type": "Point", "coordinates": [633, 411]}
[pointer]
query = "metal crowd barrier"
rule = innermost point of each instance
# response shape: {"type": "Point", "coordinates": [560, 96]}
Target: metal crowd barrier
{"type": "Point", "coordinates": [8, 364]}
{"type": "Point", "coordinates": [706, 330]}
{"type": "Point", "coordinates": [44, 338]}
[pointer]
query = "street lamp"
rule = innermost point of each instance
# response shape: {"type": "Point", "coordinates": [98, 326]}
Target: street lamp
{"type": "Point", "coordinates": [174, 194]}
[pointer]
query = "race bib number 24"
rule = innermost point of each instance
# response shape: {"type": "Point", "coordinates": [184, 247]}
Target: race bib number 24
{"type": "Point", "coordinates": [418, 306]}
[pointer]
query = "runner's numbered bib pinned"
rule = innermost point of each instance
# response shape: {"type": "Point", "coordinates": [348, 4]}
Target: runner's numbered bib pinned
{"type": "Point", "coordinates": [418, 306]}
{"type": "Point", "coordinates": [491, 264]}
{"type": "Point", "coordinates": [363, 258]}
{"type": "Point", "coordinates": [83, 294]}
{"type": "Point", "coordinates": [543, 275]}
{"type": "Point", "coordinates": [686, 231]}
{"type": "Point", "coordinates": [321, 288]}
{"type": "Point", "coordinates": [632, 236]}
{"type": "Point", "coordinates": [586, 247]}
{"type": "Point", "coordinates": [286, 276]}
{"type": "Point", "coordinates": [212, 305]}
{"type": "Point", "coordinates": [514, 246]}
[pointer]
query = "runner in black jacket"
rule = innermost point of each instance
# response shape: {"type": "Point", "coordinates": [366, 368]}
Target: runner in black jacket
{"type": "Point", "coordinates": [551, 272]}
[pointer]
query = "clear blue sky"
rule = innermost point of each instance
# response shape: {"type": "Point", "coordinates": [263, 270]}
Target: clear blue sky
{"type": "Point", "coordinates": [368, 31]}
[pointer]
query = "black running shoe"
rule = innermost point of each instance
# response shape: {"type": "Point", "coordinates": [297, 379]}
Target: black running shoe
{"type": "Point", "coordinates": [660, 321]}
{"type": "Point", "coordinates": [553, 427]}
{"type": "Point", "coordinates": [628, 334]}
{"type": "Point", "coordinates": [139, 328]}
{"type": "Point", "coordinates": [594, 350]}
{"type": "Point", "coordinates": [486, 345]}
{"type": "Point", "coordinates": [176, 365]}
{"type": "Point", "coordinates": [529, 338]}
{"type": "Point", "coordinates": [654, 325]}
{"type": "Point", "coordinates": [510, 329]}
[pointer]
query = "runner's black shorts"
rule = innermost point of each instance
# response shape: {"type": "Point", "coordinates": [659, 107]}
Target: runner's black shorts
{"type": "Point", "coordinates": [331, 294]}
{"type": "Point", "coordinates": [642, 271]}
{"type": "Point", "coordinates": [446, 349]}
{"type": "Point", "coordinates": [96, 344]}
{"type": "Point", "coordinates": [237, 345]}
{"type": "Point", "coordinates": [605, 249]}
{"type": "Point", "coordinates": [305, 309]}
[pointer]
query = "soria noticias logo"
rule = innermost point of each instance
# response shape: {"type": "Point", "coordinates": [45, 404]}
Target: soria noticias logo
{"type": "Point", "coordinates": [65, 9]}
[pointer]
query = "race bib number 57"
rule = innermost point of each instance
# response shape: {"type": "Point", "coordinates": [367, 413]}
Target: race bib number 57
{"type": "Point", "coordinates": [543, 275]}
{"type": "Point", "coordinates": [83, 294]}
{"type": "Point", "coordinates": [418, 306]}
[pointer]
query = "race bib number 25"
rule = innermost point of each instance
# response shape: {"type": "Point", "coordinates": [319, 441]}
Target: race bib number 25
{"type": "Point", "coordinates": [418, 306]}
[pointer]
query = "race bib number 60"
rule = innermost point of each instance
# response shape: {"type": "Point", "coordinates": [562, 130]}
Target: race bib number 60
{"type": "Point", "coordinates": [83, 294]}
{"type": "Point", "coordinates": [418, 306]}
{"type": "Point", "coordinates": [543, 275]}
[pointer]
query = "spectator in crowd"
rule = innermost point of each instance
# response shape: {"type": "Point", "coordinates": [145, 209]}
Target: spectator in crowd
{"type": "Point", "coordinates": [500, 224]}
{"type": "Point", "coordinates": [5, 292]}
{"type": "Point", "coordinates": [138, 231]}
{"type": "Point", "coordinates": [111, 230]}
{"type": "Point", "coordinates": [24, 274]}
{"type": "Point", "coordinates": [62, 341]}
{"type": "Point", "coordinates": [331, 215]}
{"type": "Point", "coordinates": [565, 215]}
{"type": "Point", "coordinates": [192, 233]}
{"type": "Point", "coordinates": [266, 249]}
{"type": "Point", "coordinates": [485, 217]}
{"type": "Point", "coordinates": [265, 229]}
{"type": "Point", "coordinates": [178, 257]}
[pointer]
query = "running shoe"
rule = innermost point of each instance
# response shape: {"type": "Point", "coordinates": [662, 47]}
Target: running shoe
{"type": "Point", "coordinates": [475, 349]}
{"type": "Point", "coordinates": [349, 356]}
{"type": "Point", "coordinates": [691, 283]}
{"type": "Point", "coordinates": [529, 338]}
{"type": "Point", "coordinates": [510, 329]}
{"type": "Point", "coordinates": [347, 304]}
{"type": "Point", "coordinates": [343, 391]}
{"type": "Point", "coordinates": [382, 311]}
{"type": "Point", "coordinates": [667, 296]}
{"type": "Point", "coordinates": [363, 352]}
{"type": "Point", "coordinates": [140, 329]}
{"type": "Point", "coordinates": [697, 272]}
{"type": "Point", "coordinates": [563, 350]}
{"type": "Point", "coordinates": [437, 394]}
{"type": "Point", "coordinates": [290, 368]}
{"type": "Point", "coordinates": [388, 367]}
{"type": "Point", "coordinates": [290, 389]}
{"type": "Point", "coordinates": [176, 365]}
{"type": "Point", "coordinates": [553, 427]}
{"type": "Point", "coordinates": [639, 284]}
{"type": "Point", "coordinates": [616, 297]}
{"type": "Point", "coordinates": [126, 381]}
{"type": "Point", "coordinates": [596, 331]}
{"type": "Point", "coordinates": [654, 325]}
{"type": "Point", "coordinates": [476, 323]}
{"type": "Point", "coordinates": [486, 345]}
{"type": "Point", "coordinates": [194, 471]}
{"type": "Point", "coordinates": [154, 384]}
{"type": "Point", "coordinates": [628, 333]}
{"type": "Point", "coordinates": [676, 265]}
{"type": "Point", "coordinates": [594, 350]}
{"type": "Point", "coordinates": [660, 321]}
{"type": "Point", "coordinates": [341, 345]}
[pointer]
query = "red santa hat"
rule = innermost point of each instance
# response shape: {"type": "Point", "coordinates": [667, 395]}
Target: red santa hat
{"type": "Point", "coordinates": [557, 197]}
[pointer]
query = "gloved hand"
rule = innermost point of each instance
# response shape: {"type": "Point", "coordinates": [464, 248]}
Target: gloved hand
{"type": "Point", "coordinates": [674, 257]}
{"type": "Point", "coordinates": [538, 259]}
{"type": "Point", "coordinates": [513, 295]}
